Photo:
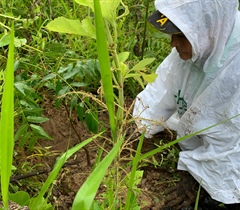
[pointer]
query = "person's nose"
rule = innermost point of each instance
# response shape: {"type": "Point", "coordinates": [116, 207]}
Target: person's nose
{"type": "Point", "coordinates": [174, 41]}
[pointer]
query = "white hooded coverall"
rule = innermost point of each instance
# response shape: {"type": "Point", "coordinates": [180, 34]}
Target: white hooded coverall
{"type": "Point", "coordinates": [204, 90]}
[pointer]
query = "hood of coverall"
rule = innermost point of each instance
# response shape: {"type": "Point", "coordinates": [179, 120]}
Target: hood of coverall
{"type": "Point", "coordinates": [207, 24]}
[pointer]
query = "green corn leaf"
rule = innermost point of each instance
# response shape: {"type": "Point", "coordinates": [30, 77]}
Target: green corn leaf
{"type": "Point", "coordinates": [87, 192]}
{"type": "Point", "coordinates": [7, 124]}
{"type": "Point", "coordinates": [54, 173]}
{"type": "Point", "coordinates": [104, 61]}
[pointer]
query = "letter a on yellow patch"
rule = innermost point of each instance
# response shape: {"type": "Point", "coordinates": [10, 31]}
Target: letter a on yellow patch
{"type": "Point", "coordinates": [162, 21]}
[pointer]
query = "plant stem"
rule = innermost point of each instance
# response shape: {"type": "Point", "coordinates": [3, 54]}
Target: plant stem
{"type": "Point", "coordinates": [113, 48]}
{"type": "Point", "coordinates": [79, 138]}
{"type": "Point", "coordinates": [112, 43]}
{"type": "Point", "coordinates": [145, 28]}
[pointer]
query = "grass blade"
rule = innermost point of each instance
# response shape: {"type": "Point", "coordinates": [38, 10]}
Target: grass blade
{"type": "Point", "coordinates": [87, 192]}
{"type": "Point", "coordinates": [104, 61]}
{"type": "Point", "coordinates": [130, 192]}
{"type": "Point", "coordinates": [60, 162]}
{"type": "Point", "coordinates": [198, 197]}
{"type": "Point", "coordinates": [7, 124]}
{"type": "Point", "coordinates": [155, 151]}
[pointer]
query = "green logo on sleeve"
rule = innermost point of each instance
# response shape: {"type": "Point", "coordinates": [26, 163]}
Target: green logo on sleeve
{"type": "Point", "coordinates": [181, 103]}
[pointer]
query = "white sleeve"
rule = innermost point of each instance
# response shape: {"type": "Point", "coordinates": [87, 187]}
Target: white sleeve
{"type": "Point", "coordinates": [156, 103]}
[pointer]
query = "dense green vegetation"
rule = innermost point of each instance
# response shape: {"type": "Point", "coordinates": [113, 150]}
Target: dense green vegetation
{"type": "Point", "coordinates": [88, 60]}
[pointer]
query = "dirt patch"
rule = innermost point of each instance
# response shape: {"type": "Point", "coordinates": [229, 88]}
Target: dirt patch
{"type": "Point", "coordinates": [159, 173]}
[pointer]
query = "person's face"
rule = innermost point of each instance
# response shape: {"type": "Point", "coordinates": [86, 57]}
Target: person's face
{"type": "Point", "coordinates": [182, 45]}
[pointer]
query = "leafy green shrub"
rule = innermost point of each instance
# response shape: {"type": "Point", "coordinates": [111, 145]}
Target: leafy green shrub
{"type": "Point", "coordinates": [29, 113]}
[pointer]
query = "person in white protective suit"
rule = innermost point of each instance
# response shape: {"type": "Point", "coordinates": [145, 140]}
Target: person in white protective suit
{"type": "Point", "coordinates": [198, 85]}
